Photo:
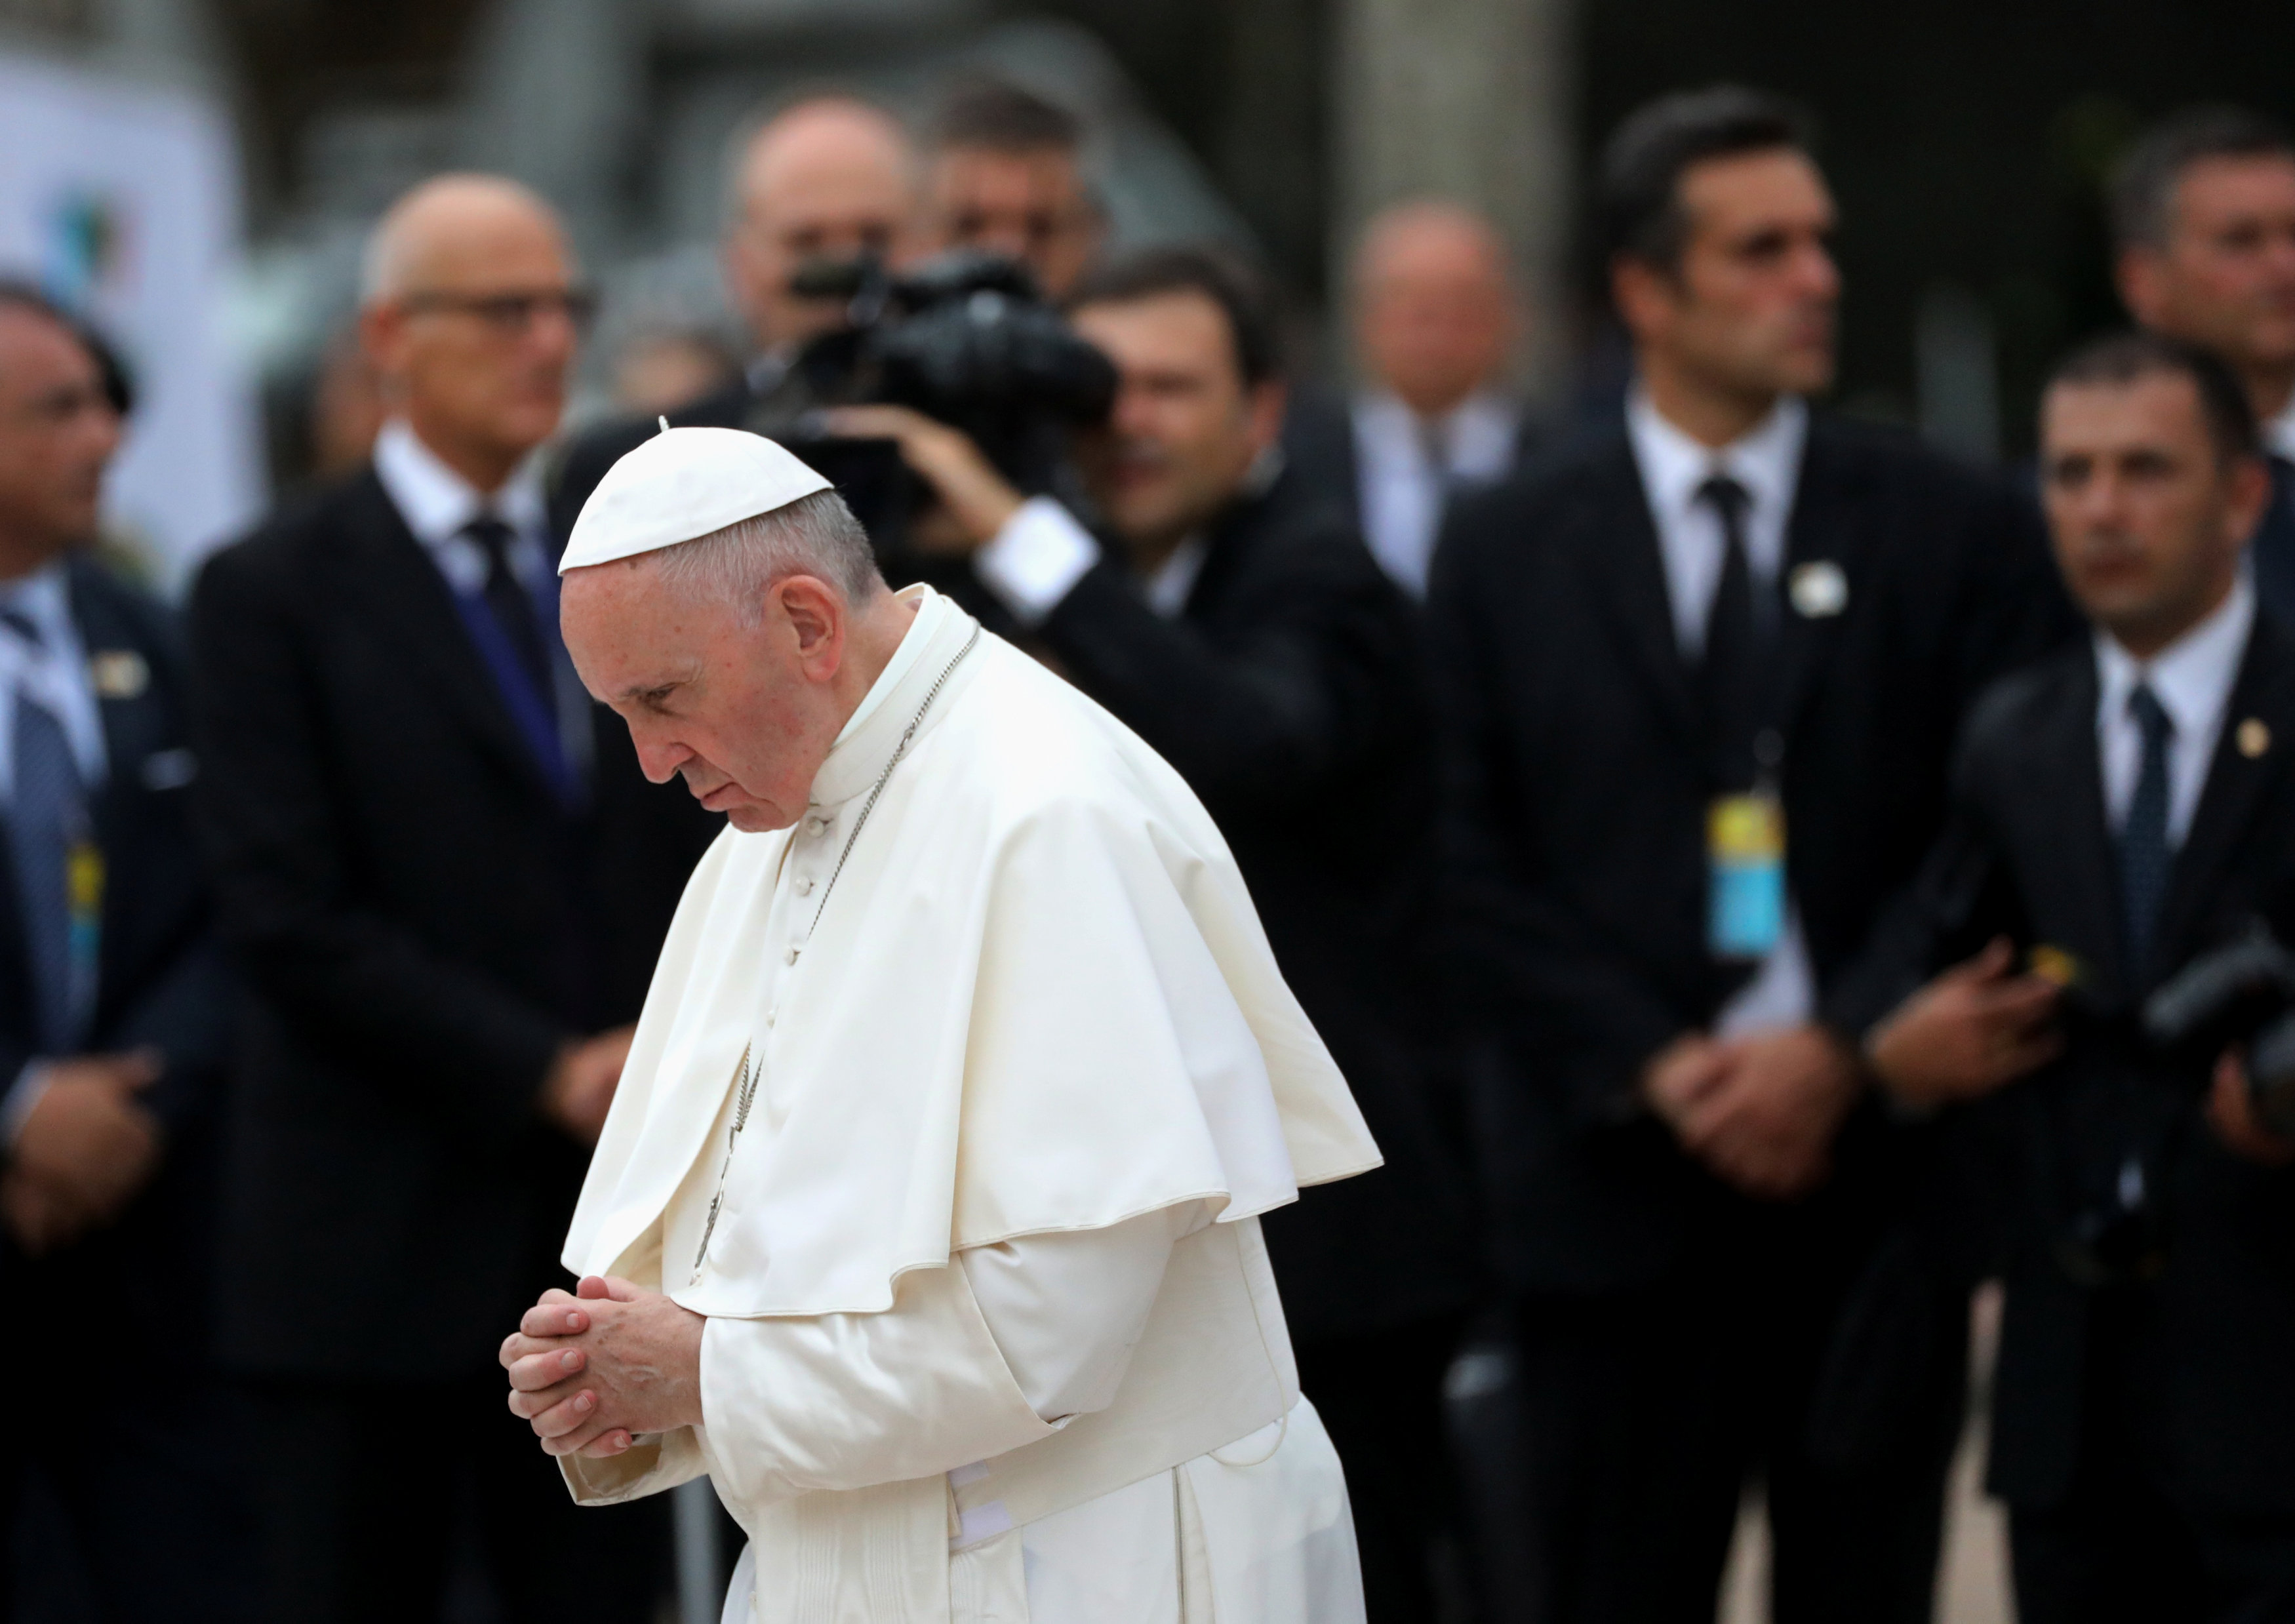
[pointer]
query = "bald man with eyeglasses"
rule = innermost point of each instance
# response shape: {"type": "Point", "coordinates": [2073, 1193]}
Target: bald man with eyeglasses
{"type": "Point", "coordinates": [446, 880]}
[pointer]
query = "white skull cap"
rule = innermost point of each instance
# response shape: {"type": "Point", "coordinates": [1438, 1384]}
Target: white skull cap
{"type": "Point", "coordinates": [682, 483]}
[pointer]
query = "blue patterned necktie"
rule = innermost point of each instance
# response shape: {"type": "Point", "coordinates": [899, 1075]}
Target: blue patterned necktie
{"type": "Point", "coordinates": [2144, 853]}
{"type": "Point", "coordinates": [47, 818]}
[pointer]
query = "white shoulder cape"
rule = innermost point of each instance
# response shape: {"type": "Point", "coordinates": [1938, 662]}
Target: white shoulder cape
{"type": "Point", "coordinates": [1038, 999]}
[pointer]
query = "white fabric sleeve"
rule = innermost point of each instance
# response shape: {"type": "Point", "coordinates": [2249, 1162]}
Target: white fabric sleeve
{"type": "Point", "coordinates": [1067, 1308]}
{"type": "Point", "coordinates": [1035, 560]}
{"type": "Point", "coordinates": [16, 1106]}
{"type": "Point", "coordinates": [839, 1401]}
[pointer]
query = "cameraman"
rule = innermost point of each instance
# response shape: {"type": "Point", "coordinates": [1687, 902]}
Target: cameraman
{"type": "Point", "coordinates": [1235, 621]}
{"type": "Point", "coordinates": [2120, 810]}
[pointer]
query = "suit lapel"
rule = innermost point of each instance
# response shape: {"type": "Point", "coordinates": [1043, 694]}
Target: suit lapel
{"type": "Point", "coordinates": [1825, 531]}
{"type": "Point", "coordinates": [1617, 543]}
{"type": "Point", "coordinates": [2082, 885]}
{"type": "Point", "coordinates": [2258, 730]}
{"type": "Point", "coordinates": [404, 594]}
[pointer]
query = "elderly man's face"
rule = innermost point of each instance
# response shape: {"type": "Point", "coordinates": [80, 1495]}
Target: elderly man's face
{"type": "Point", "coordinates": [744, 713]}
{"type": "Point", "coordinates": [477, 351]}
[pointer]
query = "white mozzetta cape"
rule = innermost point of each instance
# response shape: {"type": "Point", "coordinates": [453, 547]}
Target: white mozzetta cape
{"type": "Point", "coordinates": [1036, 997]}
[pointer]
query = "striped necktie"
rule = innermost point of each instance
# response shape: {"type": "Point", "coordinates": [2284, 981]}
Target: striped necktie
{"type": "Point", "coordinates": [47, 829]}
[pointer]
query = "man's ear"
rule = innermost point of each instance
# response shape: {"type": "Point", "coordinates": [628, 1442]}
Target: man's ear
{"type": "Point", "coordinates": [2142, 279]}
{"type": "Point", "coordinates": [1644, 295]}
{"type": "Point", "coordinates": [816, 616]}
{"type": "Point", "coordinates": [2250, 495]}
{"type": "Point", "coordinates": [1264, 410]}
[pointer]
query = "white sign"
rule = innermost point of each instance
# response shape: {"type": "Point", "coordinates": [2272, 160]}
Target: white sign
{"type": "Point", "coordinates": [122, 200]}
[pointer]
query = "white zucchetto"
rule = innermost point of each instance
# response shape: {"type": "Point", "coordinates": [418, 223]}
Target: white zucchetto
{"type": "Point", "coordinates": [682, 484]}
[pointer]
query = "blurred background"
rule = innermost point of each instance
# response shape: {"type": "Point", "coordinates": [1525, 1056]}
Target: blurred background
{"type": "Point", "coordinates": [199, 173]}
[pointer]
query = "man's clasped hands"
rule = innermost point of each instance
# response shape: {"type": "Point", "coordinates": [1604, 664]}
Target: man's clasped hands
{"type": "Point", "coordinates": [596, 1368]}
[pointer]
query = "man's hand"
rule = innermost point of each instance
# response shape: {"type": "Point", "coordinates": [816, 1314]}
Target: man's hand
{"type": "Point", "coordinates": [1679, 1076]}
{"type": "Point", "coordinates": [1977, 1027]}
{"type": "Point", "coordinates": [1766, 1123]}
{"type": "Point", "coordinates": [976, 501]}
{"type": "Point", "coordinates": [2231, 1112]}
{"type": "Point", "coordinates": [595, 1370]}
{"type": "Point", "coordinates": [84, 1151]}
{"type": "Point", "coordinates": [581, 1083]}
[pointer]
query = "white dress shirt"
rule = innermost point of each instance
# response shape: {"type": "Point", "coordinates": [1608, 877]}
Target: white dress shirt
{"type": "Point", "coordinates": [1042, 553]}
{"type": "Point", "coordinates": [1767, 462]}
{"type": "Point", "coordinates": [2191, 678]}
{"type": "Point", "coordinates": [2279, 432]}
{"type": "Point", "coordinates": [438, 504]}
{"type": "Point", "coordinates": [1407, 467]}
{"type": "Point", "coordinates": [56, 676]}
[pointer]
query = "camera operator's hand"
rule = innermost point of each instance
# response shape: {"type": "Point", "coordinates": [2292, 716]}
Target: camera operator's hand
{"type": "Point", "coordinates": [2231, 1112]}
{"type": "Point", "coordinates": [1977, 1027]}
{"type": "Point", "coordinates": [976, 501]}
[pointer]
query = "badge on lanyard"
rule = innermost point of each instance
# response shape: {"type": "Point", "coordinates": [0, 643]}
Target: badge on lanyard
{"type": "Point", "coordinates": [1745, 855]}
{"type": "Point", "coordinates": [84, 891]}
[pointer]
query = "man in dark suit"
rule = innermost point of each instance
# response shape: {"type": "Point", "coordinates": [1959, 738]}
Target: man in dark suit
{"type": "Point", "coordinates": [2203, 228]}
{"type": "Point", "coordinates": [2117, 812]}
{"type": "Point", "coordinates": [1233, 618]}
{"type": "Point", "coordinates": [446, 880]}
{"type": "Point", "coordinates": [113, 1016]}
{"type": "Point", "coordinates": [1703, 669]}
{"type": "Point", "coordinates": [1436, 323]}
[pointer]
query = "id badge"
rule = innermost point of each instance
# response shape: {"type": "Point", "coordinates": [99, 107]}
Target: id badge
{"type": "Point", "coordinates": [1745, 854]}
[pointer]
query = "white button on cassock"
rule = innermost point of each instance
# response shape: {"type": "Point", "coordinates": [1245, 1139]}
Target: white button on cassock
{"type": "Point", "coordinates": [792, 955]}
{"type": "Point", "coordinates": [805, 885]}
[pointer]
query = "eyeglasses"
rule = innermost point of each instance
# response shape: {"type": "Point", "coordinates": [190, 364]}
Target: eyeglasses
{"type": "Point", "coordinates": [510, 314]}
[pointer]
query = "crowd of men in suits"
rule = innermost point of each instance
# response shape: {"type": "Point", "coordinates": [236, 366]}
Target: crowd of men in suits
{"type": "Point", "coordinates": [1727, 847]}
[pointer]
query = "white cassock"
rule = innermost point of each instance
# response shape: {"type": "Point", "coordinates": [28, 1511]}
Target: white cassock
{"type": "Point", "coordinates": [956, 1125]}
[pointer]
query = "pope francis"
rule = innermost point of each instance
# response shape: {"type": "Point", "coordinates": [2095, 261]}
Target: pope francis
{"type": "Point", "coordinates": [925, 1219]}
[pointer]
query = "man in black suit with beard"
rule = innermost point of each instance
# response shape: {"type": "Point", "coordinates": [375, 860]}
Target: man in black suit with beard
{"type": "Point", "coordinates": [114, 1014]}
{"type": "Point", "coordinates": [1702, 670]}
{"type": "Point", "coordinates": [1233, 619]}
{"type": "Point", "coordinates": [446, 880]}
{"type": "Point", "coordinates": [2117, 812]}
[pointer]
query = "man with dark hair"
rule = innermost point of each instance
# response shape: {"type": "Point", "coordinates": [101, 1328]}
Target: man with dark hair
{"type": "Point", "coordinates": [2117, 812]}
{"type": "Point", "coordinates": [114, 1016]}
{"type": "Point", "coordinates": [1703, 669]}
{"type": "Point", "coordinates": [1007, 176]}
{"type": "Point", "coordinates": [2203, 226]}
{"type": "Point", "coordinates": [1236, 622]}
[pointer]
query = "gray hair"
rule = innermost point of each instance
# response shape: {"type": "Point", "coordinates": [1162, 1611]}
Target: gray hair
{"type": "Point", "coordinates": [814, 535]}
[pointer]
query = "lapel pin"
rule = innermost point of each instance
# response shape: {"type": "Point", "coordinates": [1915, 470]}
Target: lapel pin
{"type": "Point", "coordinates": [2253, 738]}
{"type": "Point", "coordinates": [119, 673]}
{"type": "Point", "coordinates": [1817, 589]}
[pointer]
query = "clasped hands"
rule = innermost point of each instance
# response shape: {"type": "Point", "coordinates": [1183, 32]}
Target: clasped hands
{"type": "Point", "coordinates": [87, 1147]}
{"type": "Point", "coordinates": [594, 1369]}
{"type": "Point", "coordinates": [1760, 1111]}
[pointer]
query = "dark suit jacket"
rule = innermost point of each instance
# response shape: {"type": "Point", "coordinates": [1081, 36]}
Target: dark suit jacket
{"type": "Point", "coordinates": [160, 976]}
{"type": "Point", "coordinates": [1577, 860]}
{"type": "Point", "coordinates": [423, 924]}
{"type": "Point", "coordinates": [1289, 694]}
{"type": "Point", "coordinates": [2027, 854]}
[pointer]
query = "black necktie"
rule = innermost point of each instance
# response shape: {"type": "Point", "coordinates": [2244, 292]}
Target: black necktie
{"type": "Point", "coordinates": [507, 598]}
{"type": "Point", "coordinates": [1731, 670]}
{"type": "Point", "coordinates": [2143, 854]}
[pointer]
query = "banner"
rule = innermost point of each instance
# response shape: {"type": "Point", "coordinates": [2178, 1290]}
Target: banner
{"type": "Point", "coordinates": [122, 200]}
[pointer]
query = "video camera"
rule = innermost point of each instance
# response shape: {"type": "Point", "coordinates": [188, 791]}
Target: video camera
{"type": "Point", "coordinates": [2242, 993]}
{"type": "Point", "coordinates": [966, 339]}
